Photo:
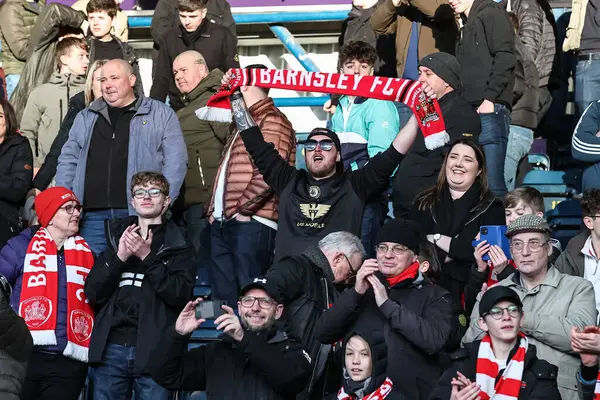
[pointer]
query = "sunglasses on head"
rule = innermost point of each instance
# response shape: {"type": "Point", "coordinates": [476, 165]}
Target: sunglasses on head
{"type": "Point", "coordinates": [325, 145]}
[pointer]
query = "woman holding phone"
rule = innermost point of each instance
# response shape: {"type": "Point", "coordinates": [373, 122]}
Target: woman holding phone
{"type": "Point", "coordinates": [452, 211]}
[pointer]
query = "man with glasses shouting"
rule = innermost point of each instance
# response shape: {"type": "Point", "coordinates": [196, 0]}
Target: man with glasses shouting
{"type": "Point", "coordinates": [553, 302]}
{"type": "Point", "coordinates": [137, 286]}
{"type": "Point", "coordinates": [254, 359]}
{"type": "Point", "coordinates": [392, 295]}
{"type": "Point", "coordinates": [323, 198]}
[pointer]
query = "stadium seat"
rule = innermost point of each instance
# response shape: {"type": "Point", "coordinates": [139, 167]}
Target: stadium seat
{"type": "Point", "coordinates": [555, 186]}
{"type": "Point", "coordinates": [565, 220]}
{"type": "Point", "coordinates": [539, 161]}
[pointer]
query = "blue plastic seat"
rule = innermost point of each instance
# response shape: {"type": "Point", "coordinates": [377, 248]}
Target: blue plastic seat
{"type": "Point", "coordinates": [555, 186]}
{"type": "Point", "coordinates": [539, 161]}
{"type": "Point", "coordinates": [202, 291]}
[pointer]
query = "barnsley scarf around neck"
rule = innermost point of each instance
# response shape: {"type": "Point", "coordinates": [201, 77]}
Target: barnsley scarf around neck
{"type": "Point", "coordinates": [39, 293]}
{"type": "Point", "coordinates": [380, 394]}
{"type": "Point", "coordinates": [409, 273]}
{"type": "Point", "coordinates": [428, 112]}
{"type": "Point", "coordinates": [509, 384]}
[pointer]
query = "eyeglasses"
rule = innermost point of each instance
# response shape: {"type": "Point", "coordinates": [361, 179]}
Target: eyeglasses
{"type": "Point", "coordinates": [352, 271]}
{"type": "Point", "coordinates": [497, 312]}
{"type": "Point", "coordinates": [70, 208]}
{"type": "Point", "coordinates": [534, 246]}
{"type": "Point", "coordinates": [263, 302]}
{"type": "Point", "coordinates": [397, 250]}
{"type": "Point", "coordinates": [141, 193]}
{"type": "Point", "coordinates": [325, 145]}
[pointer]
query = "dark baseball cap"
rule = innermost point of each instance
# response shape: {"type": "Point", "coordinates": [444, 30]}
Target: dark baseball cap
{"type": "Point", "coordinates": [495, 295]}
{"type": "Point", "coordinates": [264, 284]}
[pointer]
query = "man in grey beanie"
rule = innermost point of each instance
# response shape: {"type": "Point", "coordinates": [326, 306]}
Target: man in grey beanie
{"type": "Point", "coordinates": [440, 75]}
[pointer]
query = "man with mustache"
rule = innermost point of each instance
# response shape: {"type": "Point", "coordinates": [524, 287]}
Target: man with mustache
{"type": "Point", "coordinates": [323, 198]}
{"type": "Point", "coordinates": [253, 360]}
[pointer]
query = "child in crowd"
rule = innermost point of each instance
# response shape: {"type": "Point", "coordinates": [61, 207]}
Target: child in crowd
{"type": "Point", "coordinates": [580, 258]}
{"type": "Point", "coordinates": [103, 44]}
{"type": "Point", "coordinates": [502, 364]}
{"type": "Point", "coordinates": [48, 103]}
{"type": "Point", "coordinates": [365, 364]}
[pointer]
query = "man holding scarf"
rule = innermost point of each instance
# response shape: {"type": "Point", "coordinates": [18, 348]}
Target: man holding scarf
{"type": "Point", "coordinates": [324, 198]}
{"type": "Point", "coordinates": [503, 364]}
{"type": "Point", "coordinates": [391, 293]}
{"type": "Point", "coordinates": [47, 266]}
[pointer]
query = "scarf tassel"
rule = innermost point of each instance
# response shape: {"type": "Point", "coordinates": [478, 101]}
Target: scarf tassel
{"type": "Point", "coordinates": [76, 352]}
{"type": "Point", "coordinates": [436, 140]}
{"type": "Point", "coordinates": [215, 114]}
{"type": "Point", "coordinates": [44, 338]}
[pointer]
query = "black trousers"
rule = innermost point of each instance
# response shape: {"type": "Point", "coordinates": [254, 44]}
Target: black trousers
{"type": "Point", "coordinates": [53, 376]}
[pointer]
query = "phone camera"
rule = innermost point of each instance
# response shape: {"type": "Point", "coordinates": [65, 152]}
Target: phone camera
{"type": "Point", "coordinates": [484, 231]}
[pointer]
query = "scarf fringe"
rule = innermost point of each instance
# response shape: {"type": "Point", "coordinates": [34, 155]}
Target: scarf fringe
{"type": "Point", "coordinates": [76, 352]}
{"type": "Point", "coordinates": [44, 338]}
{"type": "Point", "coordinates": [437, 140]}
{"type": "Point", "coordinates": [214, 114]}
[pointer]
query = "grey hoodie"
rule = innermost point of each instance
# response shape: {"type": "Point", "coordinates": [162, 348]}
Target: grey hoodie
{"type": "Point", "coordinates": [46, 107]}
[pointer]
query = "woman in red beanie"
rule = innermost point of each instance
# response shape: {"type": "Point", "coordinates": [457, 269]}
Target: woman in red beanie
{"type": "Point", "coordinates": [47, 265]}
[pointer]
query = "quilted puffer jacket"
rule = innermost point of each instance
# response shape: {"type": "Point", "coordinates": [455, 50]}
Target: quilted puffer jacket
{"type": "Point", "coordinates": [245, 190]}
{"type": "Point", "coordinates": [17, 18]}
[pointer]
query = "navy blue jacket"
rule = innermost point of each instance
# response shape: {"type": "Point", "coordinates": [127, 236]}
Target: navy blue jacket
{"type": "Point", "coordinates": [585, 145]}
{"type": "Point", "coordinates": [12, 257]}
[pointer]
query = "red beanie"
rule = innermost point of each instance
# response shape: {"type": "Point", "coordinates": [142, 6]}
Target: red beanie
{"type": "Point", "coordinates": [50, 200]}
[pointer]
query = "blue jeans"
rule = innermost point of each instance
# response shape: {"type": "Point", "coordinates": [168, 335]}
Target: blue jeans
{"type": "Point", "coordinates": [494, 139]}
{"type": "Point", "coordinates": [197, 231]}
{"type": "Point", "coordinates": [92, 226]}
{"type": "Point", "coordinates": [587, 84]}
{"type": "Point", "coordinates": [372, 221]}
{"type": "Point", "coordinates": [519, 144]}
{"type": "Point", "coordinates": [11, 83]}
{"type": "Point", "coordinates": [240, 252]}
{"type": "Point", "coordinates": [115, 378]}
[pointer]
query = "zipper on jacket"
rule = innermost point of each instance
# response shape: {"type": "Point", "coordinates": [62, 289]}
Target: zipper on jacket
{"type": "Point", "coordinates": [199, 162]}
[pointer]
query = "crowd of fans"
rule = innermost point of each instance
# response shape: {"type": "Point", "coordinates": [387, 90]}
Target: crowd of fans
{"type": "Point", "coordinates": [113, 205]}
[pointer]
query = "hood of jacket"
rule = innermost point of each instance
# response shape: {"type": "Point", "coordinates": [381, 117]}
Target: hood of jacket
{"type": "Point", "coordinates": [378, 349]}
{"type": "Point", "coordinates": [318, 259]}
{"type": "Point", "coordinates": [210, 84]}
{"type": "Point", "coordinates": [65, 80]}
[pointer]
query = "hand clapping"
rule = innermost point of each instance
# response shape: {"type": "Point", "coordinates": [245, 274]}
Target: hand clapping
{"type": "Point", "coordinates": [132, 243]}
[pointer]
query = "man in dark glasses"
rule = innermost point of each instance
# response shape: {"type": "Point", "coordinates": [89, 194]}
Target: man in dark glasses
{"type": "Point", "coordinates": [323, 198]}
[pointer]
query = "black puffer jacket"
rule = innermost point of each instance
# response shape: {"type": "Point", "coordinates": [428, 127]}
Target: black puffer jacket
{"type": "Point", "coordinates": [538, 382]}
{"type": "Point", "coordinates": [47, 171]}
{"type": "Point", "coordinates": [416, 320]}
{"type": "Point", "coordinates": [486, 54]}
{"type": "Point", "coordinates": [167, 286]}
{"type": "Point", "coordinates": [526, 100]}
{"type": "Point", "coordinates": [16, 345]}
{"type": "Point", "coordinates": [304, 285]}
{"type": "Point", "coordinates": [16, 172]}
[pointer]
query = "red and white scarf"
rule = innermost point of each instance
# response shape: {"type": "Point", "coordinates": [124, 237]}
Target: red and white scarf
{"type": "Point", "coordinates": [428, 112]}
{"type": "Point", "coordinates": [509, 384]}
{"type": "Point", "coordinates": [597, 388]}
{"type": "Point", "coordinates": [380, 394]}
{"type": "Point", "coordinates": [39, 293]}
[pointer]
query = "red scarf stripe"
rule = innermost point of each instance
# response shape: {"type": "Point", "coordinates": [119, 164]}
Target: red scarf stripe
{"type": "Point", "coordinates": [597, 389]}
{"type": "Point", "coordinates": [380, 394]}
{"type": "Point", "coordinates": [509, 384]}
{"type": "Point", "coordinates": [409, 273]}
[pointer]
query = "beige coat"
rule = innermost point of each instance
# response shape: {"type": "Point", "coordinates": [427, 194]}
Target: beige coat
{"type": "Point", "coordinates": [559, 303]}
{"type": "Point", "coordinates": [573, 39]}
{"type": "Point", "coordinates": [120, 29]}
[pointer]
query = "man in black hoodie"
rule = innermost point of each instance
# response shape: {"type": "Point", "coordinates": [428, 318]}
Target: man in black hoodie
{"type": "Point", "coordinates": [324, 198]}
{"type": "Point", "coordinates": [440, 75]}
{"type": "Point", "coordinates": [137, 287]}
{"type": "Point", "coordinates": [486, 54]}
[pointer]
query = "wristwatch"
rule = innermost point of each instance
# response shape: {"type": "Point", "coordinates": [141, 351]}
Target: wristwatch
{"type": "Point", "coordinates": [436, 237]}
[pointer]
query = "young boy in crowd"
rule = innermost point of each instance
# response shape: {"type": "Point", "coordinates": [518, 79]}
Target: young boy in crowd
{"type": "Point", "coordinates": [365, 365]}
{"type": "Point", "coordinates": [48, 103]}
{"type": "Point", "coordinates": [582, 255]}
{"type": "Point", "coordinates": [502, 364]}
{"type": "Point", "coordinates": [366, 127]}
{"type": "Point", "coordinates": [102, 43]}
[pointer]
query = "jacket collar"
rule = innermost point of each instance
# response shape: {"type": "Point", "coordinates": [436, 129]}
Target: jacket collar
{"type": "Point", "coordinates": [173, 238]}
{"type": "Point", "coordinates": [35, 7]}
{"type": "Point", "coordinates": [210, 83]}
{"type": "Point", "coordinates": [318, 259]}
{"type": "Point", "coordinates": [357, 99]}
{"type": "Point", "coordinates": [552, 278]}
{"type": "Point", "coordinates": [141, 106]}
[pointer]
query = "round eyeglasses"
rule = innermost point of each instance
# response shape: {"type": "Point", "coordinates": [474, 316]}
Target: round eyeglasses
{"type": "Point", "coordinates": [141, 193]}
{"type": "Point", "coordinates": [498, 312]}
{"type": "Point", "coordinates": [263, 302]}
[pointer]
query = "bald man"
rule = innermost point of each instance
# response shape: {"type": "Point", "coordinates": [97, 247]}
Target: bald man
{"type": "Point", "coordinates": [119, 134]}
{"type": "Point", "coordinates": [204, 141]}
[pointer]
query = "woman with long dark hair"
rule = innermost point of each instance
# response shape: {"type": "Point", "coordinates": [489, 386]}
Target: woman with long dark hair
{"type": "Point", "coordinates": [16, 172]}
{"type": "Point", "coordinates": [452, 211]}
